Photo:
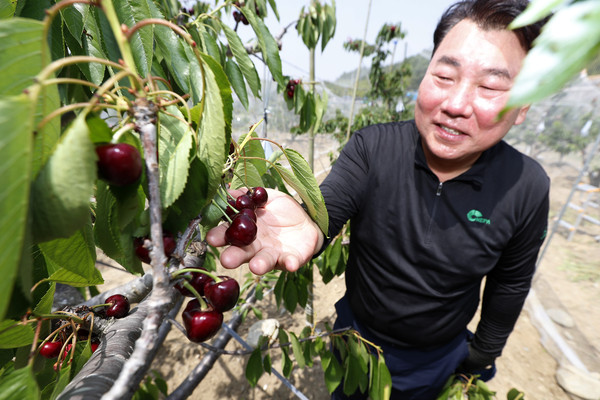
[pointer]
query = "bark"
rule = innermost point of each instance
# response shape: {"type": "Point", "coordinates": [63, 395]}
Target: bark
{"type": "Point", "coordinates": [103, 368]}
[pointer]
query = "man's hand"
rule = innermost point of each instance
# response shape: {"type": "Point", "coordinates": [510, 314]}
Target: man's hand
{"type": "Point", "coordinates": [287, 237]}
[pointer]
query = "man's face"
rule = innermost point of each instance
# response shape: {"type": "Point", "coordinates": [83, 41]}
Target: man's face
{"type": "Point", "coordinates": [466, 85]}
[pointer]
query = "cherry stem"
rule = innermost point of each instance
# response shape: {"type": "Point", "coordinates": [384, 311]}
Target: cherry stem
{"type": "Point", "coordinates": [182, 271]}
{"type": "Point", "coordinates": [189, 287]}
{"type": "Point", "coordinates": [223, 211]}
{"type": "Point", "coordinates": [121, 131]}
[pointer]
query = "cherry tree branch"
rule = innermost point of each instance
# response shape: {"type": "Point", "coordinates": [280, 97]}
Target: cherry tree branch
{"type": "Point", "coordinates": [119, 336]}
{"type": "Point", "coordinates": [162, 293]}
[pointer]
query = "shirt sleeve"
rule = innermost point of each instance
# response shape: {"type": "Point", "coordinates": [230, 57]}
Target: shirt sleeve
{"type": "Point", "coordinates": [343, 188]}
{"type": "Point", "coordinates": [508, 284]}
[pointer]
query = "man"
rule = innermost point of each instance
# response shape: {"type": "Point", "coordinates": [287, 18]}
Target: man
{"type": "Point", "coordinates": [435, 204]}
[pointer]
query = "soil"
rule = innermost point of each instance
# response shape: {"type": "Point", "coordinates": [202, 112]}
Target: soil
{"type": "Point", "coordinates": [568, 277]}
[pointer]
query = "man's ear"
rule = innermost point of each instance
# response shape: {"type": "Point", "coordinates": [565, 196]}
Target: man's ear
{"type": "Point", "coordinates": [522, 114]}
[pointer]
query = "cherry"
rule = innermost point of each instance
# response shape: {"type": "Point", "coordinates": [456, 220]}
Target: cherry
{"type": "Point", "coordinates": [119, 306]}
{"type": "Point", "coordinates": [249, 212]}
{"type": "Point", "coordinates": [143, 253]}
{"type": "Point", "coordinates": [119, 164]}
{"type": "Point", "coordinates": [201, 325]}
{"type": "Point", "coordinates": [259, 196]}
{"type": "Point", "coordinates": [237, 16]}
{"type": "Point", "coordinates": [222, 295]}
{"type": "Point", "coordinates": [51, 349]}
{"type": "Point", "coordinates": [290, 93]}
{"type": "Point", "coordinates": [197, 280]}
{"type": "Point", "coordinates": [230, 210]}
{"type": "Point", "coordinates": [241, 232]}
{"type": "Point", "coordinates": [244, 201]}
{"type": "Point", "coordinates": [68, 348]}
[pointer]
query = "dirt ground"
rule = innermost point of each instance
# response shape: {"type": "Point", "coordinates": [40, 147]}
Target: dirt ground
{"type": "Point", "coordinates": [568, 275]}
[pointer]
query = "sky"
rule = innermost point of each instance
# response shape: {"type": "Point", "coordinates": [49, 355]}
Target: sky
{"type": "Point", "coordinates": [417, 19]}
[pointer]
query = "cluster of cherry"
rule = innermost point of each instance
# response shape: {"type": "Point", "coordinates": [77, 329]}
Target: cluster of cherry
{"type": "Point", "coordinates": [115, 306]}
{"type": "Point", "coordinates": [241, 211]}
{"type": "Point", "coordinates": [203, 316]}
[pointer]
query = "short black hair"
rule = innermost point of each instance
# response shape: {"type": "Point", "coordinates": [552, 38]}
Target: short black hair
{"type": "Point", "coordinates": [488, 15]}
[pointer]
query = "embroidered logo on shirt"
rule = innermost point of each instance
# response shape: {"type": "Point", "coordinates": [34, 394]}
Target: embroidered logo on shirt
{"type": "Point", "coordinates": [477, 216]}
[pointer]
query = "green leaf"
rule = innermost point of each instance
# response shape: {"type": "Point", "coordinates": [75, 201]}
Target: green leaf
{"type": "Point", "coordinates": [568, 41]}
{"type": "Point", "coordinates": [352, 374]}
{"type": "Point", "coordinates": [12, 334]}
{"type": "Point", "coordinates": [244, 62]}
{"type": "Point", "coordinates": [131, 12]}
{"type": "Point", "coordinates": [380, 386]}
{"type": "Point", "coordinates": [18, 384]}
{"type": "Point", "coordinates": [15, 175]}
{"type": "Point", "coordinates": [536, 10]}
{"type": "Point", "coordinates": [267, 44]}
{"type": "Point", "coordinates": [215, 126]}
{"type": "Point", "coordinates": [298, 353]}
{"type": "Point", "coordinates": [302, 180]}
{"type": "Point", "coordinates": [249, 174]}
{"type": "Point", "coordinates": [237, 82]}
{"type": "Point", "coordinates": [253, 148]}
{"type": "Point", "coordinates": [254, 368]}
{"type": "Point", "coordinates": [93, 45]}
{"type": "Point", "coordinates": [333, 371]}
{"type": "Point", "coordinates": [175, 143]}
{"type": "Point", "coordinates": [73, 18]}
{"type": "Point", "coordinates": [20, 61]}
{"type": "Point", "coordinates": [290, 295]}
{"type": "Point", "coordinates": [328, 24]}
{"type": "Point", "coordinates": [267, 365]}
{"type": "Point", "coordinates": [72, 260]}
{"type": "Point", "coordinates": [190, 204]}
{"type": "Point", "coordinates": [44, 306]}
{"type": "Point", "coordinates": [7, 8]}
{"type": "Point", "coordinates": [514, 394]}
{"type": "Point", "coordinates": [61, 193]}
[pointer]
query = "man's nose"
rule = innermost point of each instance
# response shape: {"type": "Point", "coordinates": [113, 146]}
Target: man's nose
{"type": "Point", "coordinates": [459, 101]}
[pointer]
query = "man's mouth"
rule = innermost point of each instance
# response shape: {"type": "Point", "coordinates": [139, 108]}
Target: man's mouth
{"type": "Point", "coordinates": [450, 130]}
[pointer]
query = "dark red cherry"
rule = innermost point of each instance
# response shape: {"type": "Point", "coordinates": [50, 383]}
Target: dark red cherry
{"type": "Point", "coordinates": [249, 212]}
{"type": "Point", "coordinates": [244, 201]}
{"type": "Point", "coordinates": [197, 280]}
{"type": "Point", "coordinates": [169, 245]}
{"type": "Point", "coordinates": [119, 306]}
{"type": "Point", "coordinates": [119, 164]}
{"type": "Point", "coordinates": [222, 295]}
{"type": "Point", "coordinates": [241, 232]}
{"type": "Point", "coordinates": [259, 196]}
{"type": "Point", "coordinates": [201, 325]}
{"type": "Point", "coordinates": [51, 349]}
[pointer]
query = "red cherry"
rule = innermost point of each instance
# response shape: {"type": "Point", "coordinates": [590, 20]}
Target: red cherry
{"type": "Point", "coordinates": [51, 349]}
{"type": "Point", "coordinates": [237, 16]}
{"type": "Point", "coordinates": [68, 348]}
{"type": "Point", "coordinates": [169, 245]}
{"type": "Point", "coordinates": [244, 201]}
{"type": "Point", "coordinates": [197, 280]}
{"type": "Point", "coordinates": [119, 307]}
{"type": "Point", "coordinates": [259, 196]}
{"type": "Point", "coordinates": [94, 346]}
{"type": "Point", "coordinates": [222, 295]}
{"type": "Point", "coordinates": [201, 325]}
{"type": "Point", "coordinates": [241, 232]}
{"type": "Point", "coordinates": [230, 210]}
{"type": "Point", "coordinates": [249, 212]}
{"type": "Point", "coordinates": [290, 93]}
{"type": "Point", "coordinates": [119, 164]}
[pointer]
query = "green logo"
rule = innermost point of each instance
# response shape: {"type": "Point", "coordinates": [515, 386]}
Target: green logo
{"type": "Point", "coordinates": [477, 216]}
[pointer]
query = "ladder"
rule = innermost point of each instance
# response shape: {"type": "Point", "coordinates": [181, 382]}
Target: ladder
{"type": "Point", "coordinates": [588, 203]}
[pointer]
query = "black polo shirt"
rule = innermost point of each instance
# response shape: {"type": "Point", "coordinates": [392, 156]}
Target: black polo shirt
{"type": "Point", "coordinates": [420, 249]}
